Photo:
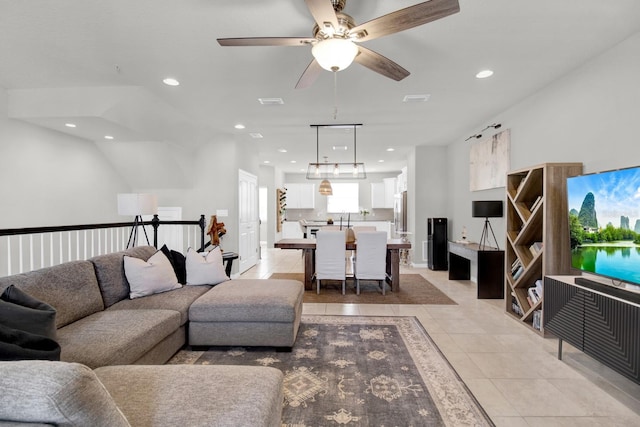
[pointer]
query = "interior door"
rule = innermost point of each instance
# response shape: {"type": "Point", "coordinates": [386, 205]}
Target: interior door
{"type": "Point", "coordinates": [248, 221]}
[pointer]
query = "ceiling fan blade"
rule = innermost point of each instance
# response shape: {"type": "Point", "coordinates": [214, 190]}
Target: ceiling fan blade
{"type": "Point", "coordinates": [323, 13]}
{"type": "Point", "coordinates": [380, 64]}
{"type": "Point", "coordinates": [404, 19]}
{"type": "Point", "coordinates": [310, 75]}
{"type": "Point", "coordinates": [267, 41]}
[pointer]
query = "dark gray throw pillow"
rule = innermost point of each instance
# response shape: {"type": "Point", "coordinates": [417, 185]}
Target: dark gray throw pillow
{"type": "Point", "coordinates": [27, 327]}
{"type": "Point", "coordinates": [177, 262]}
{"type": "Point", "coordinates": [21, 311]}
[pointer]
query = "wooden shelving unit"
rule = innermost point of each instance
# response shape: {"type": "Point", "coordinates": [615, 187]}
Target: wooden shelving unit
{"type": "Point", "coordinates": [536, 213]}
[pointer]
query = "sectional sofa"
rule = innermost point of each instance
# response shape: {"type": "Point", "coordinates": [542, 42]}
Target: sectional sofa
{"type": "Point", "coordinates": [103, 334]}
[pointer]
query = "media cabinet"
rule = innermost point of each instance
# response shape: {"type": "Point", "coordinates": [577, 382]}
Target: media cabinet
{"type": "Point", "coordinates": [602, 321]}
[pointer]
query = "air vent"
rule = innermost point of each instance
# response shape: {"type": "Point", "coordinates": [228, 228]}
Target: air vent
{"type": "Point", "coordinates": [271, 101]}
{"type": "Point", "coordinates": [416, 98]}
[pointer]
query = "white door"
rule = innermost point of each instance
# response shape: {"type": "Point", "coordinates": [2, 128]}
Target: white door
{"type": "Point", "coordinates": [248, 223]}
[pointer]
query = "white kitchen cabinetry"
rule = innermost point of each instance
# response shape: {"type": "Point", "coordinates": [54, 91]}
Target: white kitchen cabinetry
{"type": "Point", "coordinates": [389, 191]}
{"type": "Point", "coordinates": [301, 196]}
{"type": "Point", "coordinates": [377, 195]}
{"type": "Point", "coordinates": [382, 193]}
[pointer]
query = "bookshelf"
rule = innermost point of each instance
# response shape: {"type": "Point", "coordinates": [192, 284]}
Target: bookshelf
{"type": "Point", "coordinates": [537, 229]}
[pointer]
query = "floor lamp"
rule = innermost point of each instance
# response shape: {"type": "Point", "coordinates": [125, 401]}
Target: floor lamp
{"type": "Point", "coordinates": [136, 205]}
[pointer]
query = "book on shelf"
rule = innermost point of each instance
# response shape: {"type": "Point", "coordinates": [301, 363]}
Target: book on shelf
{"type": "Point", "coordinates": [532, 294]}
{"type": "Point", "coordinates": [537, 319]}
{"type": "Point", "coordinates": [539, 287]}
{"type": "Point", "coordinates": [515, 265]}
{"type": "Point", "coordinates": [518, 273]}
{"type": "Point", "coordinates": [535, 248]}
{"type": "Point", "coordinates": [515, 307]}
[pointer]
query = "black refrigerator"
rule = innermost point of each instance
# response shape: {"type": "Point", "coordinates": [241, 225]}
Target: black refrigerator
{"type": "Point", "coordinates": [437, 245]}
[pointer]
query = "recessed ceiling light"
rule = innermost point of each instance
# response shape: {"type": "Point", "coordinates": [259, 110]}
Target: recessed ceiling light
{"type": "Point", "coordinates": [484, 74]}
{"type": "Point", "coordinates": [303, 170]}
{"type": "Point", "coordinates": [380, 161]}
{"type": "Point", "coordinates": [70, 125]}
{"type": "Point", "coordinates": [170, 81]}
{"type": "Point", "coordinates": [256, 135]}
{"type": "Point", "coordinates": [282, 150]}
{"type": "Point", "coordinates": [239, 126]}
{"type": "Point", "coordinates": [293, 161]}
{"type": "Point", "coordinates": [108, 137]}
{"type": "Point", "coordinates": [339, 148]}
{"type": "Point", "coordinates": [266, 162]}
{"type": "Point", "coordinates": [416, 98]}
{"type": "Point", "coordinates": [270, 101]}
{"type": "Point", "coordinates": [391, 149]}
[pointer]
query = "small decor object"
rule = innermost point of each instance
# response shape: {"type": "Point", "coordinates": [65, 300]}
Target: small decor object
{"type": "Point", "coordinates": [216, 230]}
{"type": "Point", "coordinates": [329, 221]}
{"type": "Point", "coordinates": [364, 213]}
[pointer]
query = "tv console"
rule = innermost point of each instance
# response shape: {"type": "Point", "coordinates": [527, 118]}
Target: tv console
{"type": "Point", "coordinates": [600, 320]}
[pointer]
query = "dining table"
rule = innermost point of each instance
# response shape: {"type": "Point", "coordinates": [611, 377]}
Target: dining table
{"type": "Point", "coordinates": [308, 247]}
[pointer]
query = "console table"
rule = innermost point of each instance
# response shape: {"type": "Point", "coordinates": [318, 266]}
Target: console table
{"type": "Point", "coordinates": [483, 266]}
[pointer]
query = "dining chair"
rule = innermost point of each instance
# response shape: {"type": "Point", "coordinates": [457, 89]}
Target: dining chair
{"type": "Point", "coordinates": [330, 258]}
{"type": "Point", "coordinates": [370, 258]}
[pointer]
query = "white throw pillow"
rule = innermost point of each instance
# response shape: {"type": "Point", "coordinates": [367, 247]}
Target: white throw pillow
{"type": "Point", "coordinates": [150, 277]}
{"type": "Point", "coordinates": [205, 269]}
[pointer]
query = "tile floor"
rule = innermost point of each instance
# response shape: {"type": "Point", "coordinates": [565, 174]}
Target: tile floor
{"type": "Point", "coordinates": [513, 372]}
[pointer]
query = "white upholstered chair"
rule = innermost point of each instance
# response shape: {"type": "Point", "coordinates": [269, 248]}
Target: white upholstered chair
{"type": "Point", "coordinates": [371, 255]}
{"type": "Point", "coordinates": [330, 259]}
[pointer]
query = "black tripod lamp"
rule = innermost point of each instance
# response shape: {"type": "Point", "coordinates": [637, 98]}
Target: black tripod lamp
{"type": "Point", "coordinates": [136, 205]}
{"type": "Point", "coordinates": [487, 209]}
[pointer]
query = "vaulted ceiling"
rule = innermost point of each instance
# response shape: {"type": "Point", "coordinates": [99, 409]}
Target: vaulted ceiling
{"type": "Point", "coordinates": [100, 65]}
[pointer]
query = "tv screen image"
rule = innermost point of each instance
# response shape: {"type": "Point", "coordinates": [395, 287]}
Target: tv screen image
{"type": "Point", "coordinates": [604, 223]}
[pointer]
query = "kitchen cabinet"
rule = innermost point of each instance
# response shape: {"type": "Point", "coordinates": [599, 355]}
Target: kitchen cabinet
{"type": "Point", "coordinates": [382, 193]}
{"type": "Point", "coordinates": [301, 196]}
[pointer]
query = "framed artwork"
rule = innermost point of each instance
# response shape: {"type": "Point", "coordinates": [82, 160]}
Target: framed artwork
{"type": "Point", "coordinates": [489, 162]}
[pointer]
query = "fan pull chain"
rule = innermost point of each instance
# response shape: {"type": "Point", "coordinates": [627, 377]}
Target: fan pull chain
{"type": "Point", "coordinates": [335, 95]}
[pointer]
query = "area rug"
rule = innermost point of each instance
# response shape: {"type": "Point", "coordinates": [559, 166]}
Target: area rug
{"type": "Point", "coordinates": [360, 371]}
{"type": "Point", "coordinates": [414, 289]}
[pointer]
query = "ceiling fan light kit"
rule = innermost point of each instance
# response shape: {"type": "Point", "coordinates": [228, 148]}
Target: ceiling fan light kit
{"type": "Point", "coordinates": [334, 54]}
{"type": "Point", "coordinates": [335, 35]}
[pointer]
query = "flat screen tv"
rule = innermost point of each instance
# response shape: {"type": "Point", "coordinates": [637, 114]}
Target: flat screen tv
{"type": "Point", "coordinates": [604, 224]}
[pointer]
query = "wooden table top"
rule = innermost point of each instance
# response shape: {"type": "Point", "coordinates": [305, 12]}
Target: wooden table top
{"type": "Point", "coordinates": [311, 244]}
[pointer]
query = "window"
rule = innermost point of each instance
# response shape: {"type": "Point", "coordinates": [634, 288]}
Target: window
{"type": "Point", "coordinates": [344, 198]}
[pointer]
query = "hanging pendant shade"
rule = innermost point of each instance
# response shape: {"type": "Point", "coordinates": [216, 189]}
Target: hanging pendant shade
{"type": "Point", "coordinates": [325, 188]}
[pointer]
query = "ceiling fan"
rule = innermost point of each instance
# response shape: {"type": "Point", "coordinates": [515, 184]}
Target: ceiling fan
{"type": "Point", "coordinates": [335, 35]}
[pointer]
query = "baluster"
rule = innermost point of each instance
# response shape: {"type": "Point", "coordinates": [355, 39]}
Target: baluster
{"type": "Point", "coordinates": [41, 250]}
{"type": "Point", "coordinates": [50, 249]}
{"type": "Point", "coordinates": [77, 244]}
{"type": "Point", "coordinates": [8, 255]}
{"type": "Point", "coordinates": [30, 251]}
{"type": "Point", "coordinates": [20, 267]}
{"type": "Point", "coordinates": [68, 234]}
{"type": "Point", "coordinates": [60, 250]}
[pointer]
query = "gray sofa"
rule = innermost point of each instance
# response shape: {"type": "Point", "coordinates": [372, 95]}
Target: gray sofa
{"type": "Point", "coordinates": [99, 327]}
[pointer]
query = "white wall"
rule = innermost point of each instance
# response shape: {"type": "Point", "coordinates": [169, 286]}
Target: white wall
{"type": "Point", "coordinates": [51, 178]}
{"type": "Point", "coordinates": [591, 116]}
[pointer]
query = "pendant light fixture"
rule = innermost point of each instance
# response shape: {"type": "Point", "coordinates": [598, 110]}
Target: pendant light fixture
{"type": "Point", "coordinates": [333, 170]}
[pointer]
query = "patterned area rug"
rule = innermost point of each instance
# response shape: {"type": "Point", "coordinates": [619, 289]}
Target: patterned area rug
{"type": "Point", "coordinates": [360, 371]}
{"type": "Point", "coordinates": [414, 289]}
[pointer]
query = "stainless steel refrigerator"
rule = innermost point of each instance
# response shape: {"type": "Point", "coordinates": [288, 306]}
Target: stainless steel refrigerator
{"type": "Point", "coordinates": [400, 213]}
